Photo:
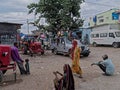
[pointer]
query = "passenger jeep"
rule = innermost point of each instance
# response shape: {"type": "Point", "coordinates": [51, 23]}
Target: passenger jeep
{"type": "Point", "coordinates": [63, 46]}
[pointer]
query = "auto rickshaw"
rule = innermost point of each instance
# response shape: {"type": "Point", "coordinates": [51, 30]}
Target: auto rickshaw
{"type": "Point", "coordinates": [6, 62]}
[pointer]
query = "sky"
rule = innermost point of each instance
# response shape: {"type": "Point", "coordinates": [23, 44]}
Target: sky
{"type": "Point", "coordinates": [16, 11]}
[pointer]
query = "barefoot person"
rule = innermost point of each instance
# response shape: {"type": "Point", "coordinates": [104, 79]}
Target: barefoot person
{"type": "Point", "coordinates": [106, 66]}
{"type": "Point", "coordinates": [66, 82]}
{"type": "Point", "coordinates": [76, 59]}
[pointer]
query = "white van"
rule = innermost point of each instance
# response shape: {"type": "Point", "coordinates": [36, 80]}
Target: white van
{"type": "Point", "coordinates": [105, 37]}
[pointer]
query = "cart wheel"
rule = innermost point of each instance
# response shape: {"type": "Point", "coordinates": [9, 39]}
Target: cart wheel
{"type": "Point", "coordinates": [1, 76]}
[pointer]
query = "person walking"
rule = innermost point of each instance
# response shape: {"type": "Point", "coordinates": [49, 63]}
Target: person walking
{"type": "Point", "coordinates": [106, 66]}
{"type": "Point", "coordinates": [76, 58]}
{"type": "Point", "coordinates": [16, 57]}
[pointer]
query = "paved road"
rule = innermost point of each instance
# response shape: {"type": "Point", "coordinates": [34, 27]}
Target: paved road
{"type": "Point", "coordinates": [41, 68]}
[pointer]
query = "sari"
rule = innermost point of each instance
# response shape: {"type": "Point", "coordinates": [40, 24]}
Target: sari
{"type": "Point", "coordinates": [76, 59]}
{"type": "Point", "coordinates": [67, 81]}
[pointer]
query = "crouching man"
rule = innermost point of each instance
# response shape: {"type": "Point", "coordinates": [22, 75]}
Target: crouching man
{"type": "Point", "coordinates": [106, 66]}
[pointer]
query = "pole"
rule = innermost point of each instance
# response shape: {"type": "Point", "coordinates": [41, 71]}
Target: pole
{"type": "Point", "coordinates": [28, 26]}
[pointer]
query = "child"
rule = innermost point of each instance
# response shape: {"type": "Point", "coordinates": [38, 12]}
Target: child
{"type": "Point", "coordinates": [27, 66]}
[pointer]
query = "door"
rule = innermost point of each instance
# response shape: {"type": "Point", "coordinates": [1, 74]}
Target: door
{"type": "Point", "coordinates": [111, 38]}
{"type": "Point", "coordinates": [62, 45]}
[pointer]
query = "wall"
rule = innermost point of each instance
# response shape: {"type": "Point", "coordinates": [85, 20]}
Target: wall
{"type": "Point", "coordinates": [103, 27]}
{"type": "Point", "coordinates": [8, 33]}
{"type": "Point", "coordinates": [108, 17]}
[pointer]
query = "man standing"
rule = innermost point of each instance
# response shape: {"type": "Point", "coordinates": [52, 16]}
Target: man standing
{"type": "Point", "coordinates": [106, 66]}
{"type": "Point", "coordinates": [16, 57]}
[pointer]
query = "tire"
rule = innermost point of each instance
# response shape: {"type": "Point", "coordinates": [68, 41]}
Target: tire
{"type": "Point", "coordinates": [45, 47]}
{"type": "Point", "coordinates": [115, 45]}
{"type": "Point", "coordinates": [1, 76]}
{"type": "Point", "coordinates": [94, 44]}
{"type": "Point", "coordinates": [86, 55]}
{"type": "Point", "coordinates": [42, 52]}
{"type": "Point", "coordinates": [3, 71]}
{"type": "Point", "coordinates": [55, 51]}
{"type": "Point", "coordinates": [52, 50]}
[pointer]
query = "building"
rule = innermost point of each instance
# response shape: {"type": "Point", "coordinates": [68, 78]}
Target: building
{"type": "Point", "coordinates": [107, 20]}
{"type": "Point", "coordinates": [8, 32]}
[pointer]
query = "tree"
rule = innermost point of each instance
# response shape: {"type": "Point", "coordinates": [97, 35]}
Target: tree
{"type": "Point", "coordinates": [59, 14]}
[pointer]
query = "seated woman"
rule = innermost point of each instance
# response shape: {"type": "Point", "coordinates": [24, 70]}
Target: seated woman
{"type": "Point", "coordinates": [66, 82]}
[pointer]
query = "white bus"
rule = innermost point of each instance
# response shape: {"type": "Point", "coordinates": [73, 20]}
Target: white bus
{"type": "Point", "coordinates": [105, 37]}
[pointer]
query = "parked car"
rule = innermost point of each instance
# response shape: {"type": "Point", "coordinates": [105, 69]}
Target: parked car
{"type": "Point", "coordinates": [64, 45]}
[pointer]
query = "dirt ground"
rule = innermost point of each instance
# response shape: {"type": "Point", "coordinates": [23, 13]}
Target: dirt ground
{"type": "Point", "coordinates": [42, 67]}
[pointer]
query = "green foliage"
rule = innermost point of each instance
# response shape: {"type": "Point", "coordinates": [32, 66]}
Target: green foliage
{"type": "Point", "coordinates": [59, 14]}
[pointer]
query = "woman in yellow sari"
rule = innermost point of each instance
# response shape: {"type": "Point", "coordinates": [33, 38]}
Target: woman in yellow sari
{"type": "Point", "coordinates": [76, 58]}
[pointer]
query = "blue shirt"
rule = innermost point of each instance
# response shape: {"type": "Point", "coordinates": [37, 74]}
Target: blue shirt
{"type": "Point", "coordinates": [109, 66]}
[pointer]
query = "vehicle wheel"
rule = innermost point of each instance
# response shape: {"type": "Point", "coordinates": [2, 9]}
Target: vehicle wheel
{"type": "Point", "coordinates": [55, 51]}
{"type": "Point", "coordinates": [45, 47]}
{"type": "Point", "coordinates": [86, 55]}
{"type": "Point", "coordinates": [3, 71]}
{"type": "Point", "coordinates": [94, 44]}
{"type": "Point", "coordinates": [52, 50]}
{"type": "Point", "coordinates": [115, 45]}
{"type": "Point", "coordinates": [42, 53]}
{"type": "Point", "coordinates": [1, 76]}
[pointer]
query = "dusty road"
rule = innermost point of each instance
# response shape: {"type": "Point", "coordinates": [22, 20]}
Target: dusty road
{"type": "Point", "coordinates": [41, 68]}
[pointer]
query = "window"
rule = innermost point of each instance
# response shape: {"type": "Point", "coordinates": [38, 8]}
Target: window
{"type": "Point", "coordinates": [117, 34]}
{"type": "Point", "coordinates": [111, 35]}
{"type": "Point", "coordinates": [95, 35]}
{"type": "Point", "coordinates": [103, 34]}
{"type": "Point", "coordinates": [101, 20]}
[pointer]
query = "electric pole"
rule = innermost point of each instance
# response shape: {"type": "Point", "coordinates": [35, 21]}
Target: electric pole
{"type": "Point", "coordinates": [28, 26]}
